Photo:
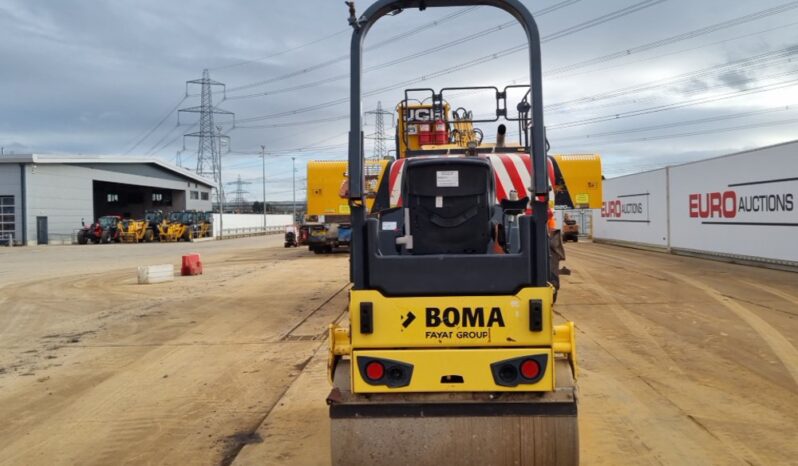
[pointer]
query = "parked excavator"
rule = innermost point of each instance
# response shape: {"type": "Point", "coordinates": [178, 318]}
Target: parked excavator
{"type": "Point", "coordinates": [451, 354]}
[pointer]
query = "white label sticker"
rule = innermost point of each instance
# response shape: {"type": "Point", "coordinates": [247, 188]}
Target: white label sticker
{"type": "Point", "coordinates": [447, 179]}
{"type": "Point", "coordinates": [389, 225]}
{"type": "Point", "coordinates": [439, 202]}
{"type": "Point", "coordinates": [412, 130]}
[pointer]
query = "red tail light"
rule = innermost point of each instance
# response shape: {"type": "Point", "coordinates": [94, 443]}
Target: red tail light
{"type": "Point", "coordinates": [530, 369]}
{"type": "Point", "coordinates": [381, 371]}
{"type": "Point", "coordinates": [375, 370]}
{"type": "Point", "coordinates": [522, 370]}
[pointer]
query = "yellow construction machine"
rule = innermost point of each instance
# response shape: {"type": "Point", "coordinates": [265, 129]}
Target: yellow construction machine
{"type": "Point", "coordinates": [146, 229]}
{"type": "Point", "coordinates": [451, 354]}
{"type": "Point", "coordinates": [177, 227]}
{"type": "Point", "coordinates": [204, 225]}
{"type": "Point", "coordinates": [327, 217]}
{"type": "Point", "coordinates": [134, 231]}
{"type": "Point", "coordinates": [186, 225]}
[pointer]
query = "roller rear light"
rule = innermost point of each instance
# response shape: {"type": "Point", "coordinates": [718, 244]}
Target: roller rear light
{"type": "Point", "coordinates": [375, 370]}
{"type": "Point", "coordinates": [519, 371]}
{"type": "Point", "coordinates": [380, 371]}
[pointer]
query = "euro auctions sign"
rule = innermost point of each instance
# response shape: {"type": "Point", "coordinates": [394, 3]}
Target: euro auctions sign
{"type": "Point", "coordinates": [769, 202]}
{"type": "Point", "coordinates": [626, 208]}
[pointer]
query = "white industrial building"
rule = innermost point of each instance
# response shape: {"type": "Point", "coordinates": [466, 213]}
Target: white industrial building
{"type": "Point", "coordinates": [45, 198]}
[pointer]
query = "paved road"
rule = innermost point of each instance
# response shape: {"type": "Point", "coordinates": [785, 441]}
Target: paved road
{"type": "Point", "coordinates": [683, 361]}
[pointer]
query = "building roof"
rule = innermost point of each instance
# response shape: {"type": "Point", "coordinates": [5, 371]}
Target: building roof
{"type": "Point", "coordinates": [99, 159]}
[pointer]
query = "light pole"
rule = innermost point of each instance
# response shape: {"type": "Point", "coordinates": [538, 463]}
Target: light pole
{"type": "Point", "coordinates": [293, 185]}
{"type": "Point", "coordinates": [263, 157]}
{"type": "Point", "coordinates": [220, 189]}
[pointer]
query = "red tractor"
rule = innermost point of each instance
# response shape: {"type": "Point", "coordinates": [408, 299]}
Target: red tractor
{"type": "Point", "coordinates": [104, 230]}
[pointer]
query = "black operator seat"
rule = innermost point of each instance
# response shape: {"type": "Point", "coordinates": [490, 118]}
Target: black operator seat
{"type": "Point", "coordinates": [449, 203]}
{"type": "Point", "coordinates": [439, 241]}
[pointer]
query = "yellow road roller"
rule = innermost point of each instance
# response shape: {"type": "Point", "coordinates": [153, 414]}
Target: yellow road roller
{"type": "Point", "coordinates": [451, 354]}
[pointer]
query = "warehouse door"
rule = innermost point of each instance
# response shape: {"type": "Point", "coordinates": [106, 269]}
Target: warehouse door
{"type": "Point", "coordinates": [8, 224]}
{"type": "Point", "coordinates": [41, 230]}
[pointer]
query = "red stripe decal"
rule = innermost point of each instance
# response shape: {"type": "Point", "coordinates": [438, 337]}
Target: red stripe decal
{"type": "Point", "coordinates": [512, 172]}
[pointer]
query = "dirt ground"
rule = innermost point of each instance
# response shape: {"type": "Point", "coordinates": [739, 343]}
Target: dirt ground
{"type": "Point", "coordinates": [682, 360]}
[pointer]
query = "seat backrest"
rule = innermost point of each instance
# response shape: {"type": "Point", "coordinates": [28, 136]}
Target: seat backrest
{"type": "Point", "coordinates": [450, 202]}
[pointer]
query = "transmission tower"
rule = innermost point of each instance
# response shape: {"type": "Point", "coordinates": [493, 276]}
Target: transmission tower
{"type": "Point", "coordinates": [380, 147]}
{"type": "Point", "coordinates": [239, 192]}
{"type": "Point", "coordinates": [209, 151]}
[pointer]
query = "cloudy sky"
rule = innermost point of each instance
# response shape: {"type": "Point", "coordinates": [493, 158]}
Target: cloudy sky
{"type": "Point", "coordinates": [645, 83]}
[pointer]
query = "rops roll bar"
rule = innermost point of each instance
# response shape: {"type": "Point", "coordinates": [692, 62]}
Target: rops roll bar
{"type": "Point", "coordinates": [361, 26]}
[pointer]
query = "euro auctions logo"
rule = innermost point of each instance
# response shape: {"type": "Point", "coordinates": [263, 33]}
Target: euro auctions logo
{"type": "Point", "coordinates": [746, 203]}
{"type": "Point", "coordinates": [626, 208]}
{"type": "Point", "coordinates": [616, 208]}
{"type": "Point", "coordinates": [729, 204]}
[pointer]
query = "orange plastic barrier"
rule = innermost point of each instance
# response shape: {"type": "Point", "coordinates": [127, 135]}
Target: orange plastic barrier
{"type": "Point", "coordinates": [192, 265]}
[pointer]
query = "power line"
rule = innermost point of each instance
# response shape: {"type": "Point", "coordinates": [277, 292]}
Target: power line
{"type": "Point", "coordinates": [697, 121]}
{"type": "Point", "coordinates": [568, 31]}
{"type": "Point", "coordinates": [706, 131]}
{"type": "Point", "coordinates": [345, 116]}
{"type": "Point", "coordinates": [563, 33]}
{"type": "Point", "coordinates": [317, 155]}
{"type": "Point", "coordinates": [172, 141]}
{"type": "Point", "coordinates": [740, 81]}
{"type": "Point", "coordinates": [294, 123]}
{"type": "Point", "coordinates": [719, 130]}
{"type": "Point", "coordinates": [157, 125]}
{"type": "Point", "coordinates": [380, 146]}
{"type": "Point", "coordinates": [559, 34]}
{"type": "Point", "coordinates": [239, 192]}
{"type": "Point", "coordinates": [759, 60]}
{"type": "Point", "coordinates": [282, 52]}
{"type": "Point", "coordinates": [675, 52]}
{"type": "Point", "coordinates": [341, 58]}
{"type": "Point", "coordinates": [672, 106]}
{"type": "Point", "coordinates": [645, 111]}
{"type": "Point", "coordinates": [511, 50]}
{"type": "Point", "coordinates": [379, 44]}
{"type": "Point", "coordinates": [396, 61]}
{"type": "Point", "coordinates": [677, 38]}
{"type": "Point", "coordinates": [163, 138]}
{"type": "Point", "coordinates": [596, 60]}
{"type": "Point", "coordinates": [209, 148]}
{"type": "Point", "coordinates": [309, 147]}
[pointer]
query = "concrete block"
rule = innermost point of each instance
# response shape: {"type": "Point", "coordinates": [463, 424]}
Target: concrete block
{"type": "Point", "coordinates": [149, 274]}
